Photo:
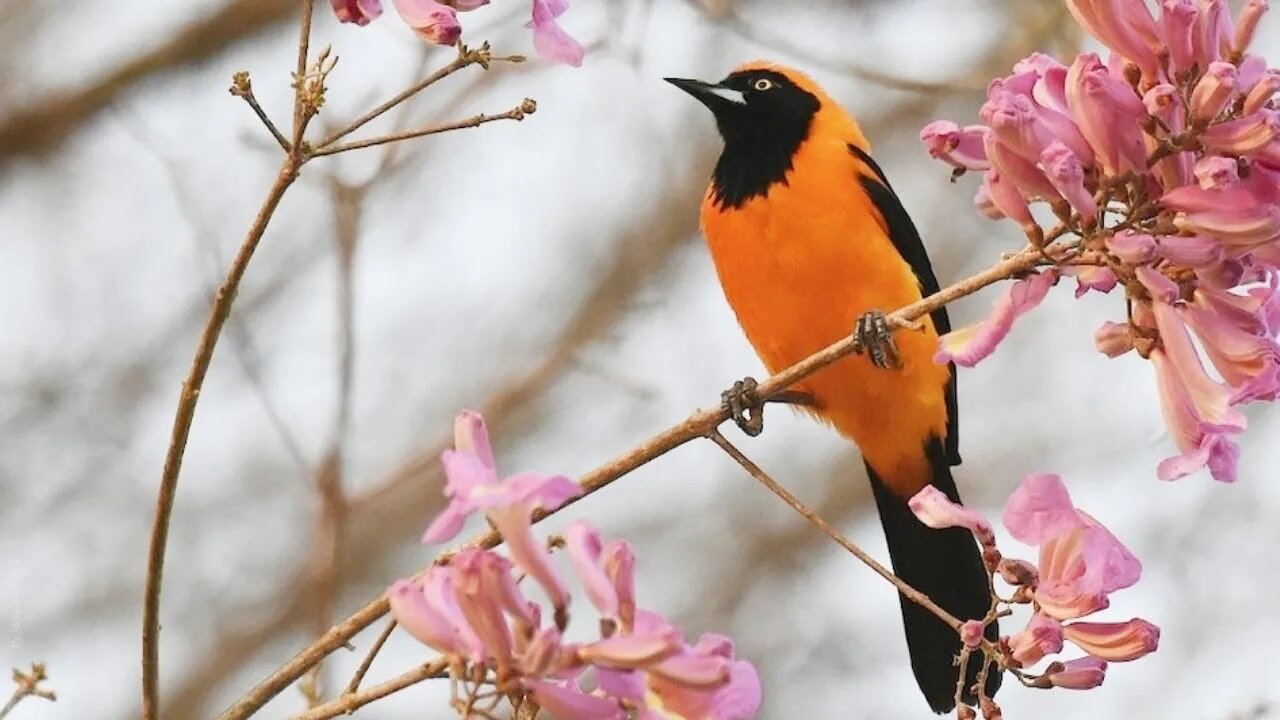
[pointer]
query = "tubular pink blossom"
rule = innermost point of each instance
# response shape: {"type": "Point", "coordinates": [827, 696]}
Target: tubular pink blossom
{"type": "Point", "coordinates": [1108, 114]}
{"type": "Point", "coordinates": [960, 148]}
{"type": "Point", "coordinates": [969, 345]}
{"type": "Point", "coordinates": [1064, 170]}
{"type": "Point", "coordinates": [539, 657]}
{"type": "Point", "coordinates": [620, 567]}
{"type": "Point", "coordinates": [433, 22]}
{"type": "Point", "coordinates": [1194, 251]}
{"type": "Point", "coordinates": [471, 436]}
{"type": "Point", "coordinates": [1261, 93]}
{"type": "Point", "coordinates": [1177, 28]}
{"type": "Point", "coordinates": [1042, 636]}
{"type": "Point", "coordinates": [1113, 339]}
{"type": "Point", "coordinates": [1215, 172]}
{"type": "Point", "coordinates": [426, 623]}
{"type": "Point", "coordinates": [1021, 172]}
{"type": "Point", "coordinates": [638, 650]}
{"type": "Point", "coordinates": [1234, 215]}
{"type": "Point", "coordinates": [1247, 24]}
{"type": "Point", "coordinates": [1214, 90]}
{"type": "Point", "coordinates": [1040, 509]}
{"type": "Point", "coordinates": [1098, 278]}
{"type": "Point", "coordinates": [480, 597]}
{"type": "Point", "coordinates": [1213, 31]}
{"type": "Point", "coordinates": [1115, 642]}
{"type": "Point", "coordinates": [549, 39]}
{"type": "Point", "coordinates": [1248, 361]}
{"type": "Point", "coordinates": [971, 633]}
{"type": "Point", "coordinates": [983, 204]}
{"type": "Point", "coordinates": [933, 508]}
{"type": "Point", "coordinates": [360, 12]}
{"type": "Point", "coordinates": [692, 670]}
{"type": "Point", "coordinates": [1081, 674]}
{"type": "Point", "coordinates": [1245, 136]}
{"type": "Point", "coordinates": [1157, 283]}
{"type": "Point", "coordinates": [585, 547]}
{"type": "Point", "coordinates": [1007, 200]}
{"type": "Point", "coordinates": [1211, 399]}
{"type": "Point", "coordinates": [1132, 247]}
{"type": "Point", "coordinates": [1125, 26]}
{"type": "Point", "coordinates": [567, 702]}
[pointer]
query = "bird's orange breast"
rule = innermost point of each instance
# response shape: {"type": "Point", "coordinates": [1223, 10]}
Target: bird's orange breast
{"type": "Point", "coordinates": [799, 266]}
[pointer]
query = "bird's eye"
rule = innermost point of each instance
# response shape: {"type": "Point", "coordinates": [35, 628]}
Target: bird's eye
{"type": "Point", "coordinates": [764, 84]}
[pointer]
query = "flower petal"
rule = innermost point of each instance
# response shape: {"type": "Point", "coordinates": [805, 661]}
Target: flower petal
{"type": "Point", "coordinates": [1115, 642]}
{"type": "Point", "coordinates": [1040, 509]}
{"type": "Point", "coordinates": [967, 346]}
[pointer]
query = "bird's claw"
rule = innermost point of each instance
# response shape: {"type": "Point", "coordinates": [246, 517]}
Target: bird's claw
{"type": "Point", "coordinates": [874, 337]}
{"type": "Point", "coordinates": [744, 406]}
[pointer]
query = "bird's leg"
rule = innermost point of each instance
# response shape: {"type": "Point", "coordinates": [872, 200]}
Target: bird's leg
{"type": "Point", "coordinates": [873, 336]}
{"type": "Point", "coordinates": [746, 409]}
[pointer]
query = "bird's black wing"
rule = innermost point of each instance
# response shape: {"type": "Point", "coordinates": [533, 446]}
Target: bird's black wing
{"type": "Point", "coordinates": [906, 239]}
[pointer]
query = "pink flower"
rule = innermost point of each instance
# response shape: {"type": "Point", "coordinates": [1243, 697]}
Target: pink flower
{"type": "Point", "coordinates": [566, 701]}
{"type": "Point", "coordinates": [1115, 642]}
{"type": "Point", "coordinates": [963, 149]}
{"type": "Point", "coordinates": [1197, 409]}
{"type": "Point", "coordinates": [1177, 29]}
{"type": "Point", "coordinates": [549, 39]}
{"type": "Point", "coordinates": [1215, 89]}
{"type": "Point", "coordinates": [1247, 24]}
{"type": "Point", "coordinates": [1099, 278]}
{"type": "Point", "coordinates": [360, 12]}
{"type": "Point", "coordinates": [737, 697]}
{"type": "Point", "coordinates": [1122, 25]}
{"type": "Point", "coordinates": [1113, 339]}
{"type": "Point", "coordinates": [969, 345]}
{"type": "Point", "coordinates": [604, 588]}
{"type": "Point", "coordinates": [1244, 353]}
{"type": "Point", "coordinates": [1194, 251]}
{"type": "Point", "coordinates": [1042, 636]}
{"type": "Point", "coordinates": [1029, 179]}
{"type": "Point", "coordinates": [938, 511]}
{"type": "Point", "coordinates": [1261, 93]}
{"type": "Point", "coordinates": [1064, 170]}
{"type": "Point", "coordinates": [1083, 673]}
{"type": "Point", "coordinates": [1005, 199]}
{"type": "Point", "coordinates": [972, 632]}
{"type": "Point", "coordinates": [1214, 31]}
{"type": "Point", "coordinates": [432, 21]}
{"type": "Point", "coordinates": [1108, 113]}
{"type": "Point", "coordinates": [472, 484]}
{"type": "Point", "coordinates": [1246, 136]}
{"type": "Point", "coordinates": [1235, 215]}
{"type": "Point", "coordinates": [1132, 247]}
{"type": "Point", "coordinates": [1216, 172]}
{"type": "Point", "coordinates": [1081, 562]}
{"type": "Point", "coordinates": [428, 610]}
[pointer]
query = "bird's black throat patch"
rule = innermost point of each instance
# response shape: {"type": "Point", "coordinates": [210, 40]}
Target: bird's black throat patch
{"type": "Point", "coordinates": [761, 135]}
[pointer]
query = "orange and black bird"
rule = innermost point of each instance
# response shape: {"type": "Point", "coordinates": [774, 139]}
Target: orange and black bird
{"type": "Point", "coordinates": [810, 241]}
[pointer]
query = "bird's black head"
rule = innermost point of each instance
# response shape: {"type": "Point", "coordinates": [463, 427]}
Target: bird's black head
{"type": "Point", "coordinates": [763, 115]}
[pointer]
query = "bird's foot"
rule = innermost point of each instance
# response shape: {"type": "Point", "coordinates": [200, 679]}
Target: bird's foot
{"type": "Point", "coordinates": [744, 406]}
{"type": "Point", "coordinates": [746, 409]}
{"type": "Point", "coordinates": [874, 337]}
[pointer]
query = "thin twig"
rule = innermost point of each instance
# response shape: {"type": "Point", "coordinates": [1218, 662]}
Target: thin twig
{"type": "Point", "coordinates": [813, 517]}
{"type": "Point", "coordinates": [182, 430]}
{"type": "Point", "coordinates": [242, 87]}
{"type": "Point", "coordinates": [365, 664]}
{"type": "Point", "coordinates": [465, 58]}
{"type": "Point", "coordinates": [28, 685]}
{"type": "Point", "coordinates": [191, 387]}
{"type": "Point", "coordinates": [349, 702]}
{"type": "Point", "coordinates": [300, 114]}
{"type": "Point", "coordinates": [697, 425]}
{"type": "Point", "coordinates": [516, 113]}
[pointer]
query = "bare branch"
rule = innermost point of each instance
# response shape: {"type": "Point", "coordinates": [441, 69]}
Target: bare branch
{"type": "Point", "coordinates": [517, 113]}
{"type": "Point", "coordinates": [28, 685]}
{"type": "Point", "coordinates": [242, 87]}
{"type": "Point", "coordinates": [349, 702]}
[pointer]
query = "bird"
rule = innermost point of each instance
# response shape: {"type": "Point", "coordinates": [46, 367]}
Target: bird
{"type": "Point", "coordinates": [810, 243]}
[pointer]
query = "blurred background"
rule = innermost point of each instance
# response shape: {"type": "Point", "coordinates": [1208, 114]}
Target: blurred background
{"type": "Point", "coordinates": [549, 274]}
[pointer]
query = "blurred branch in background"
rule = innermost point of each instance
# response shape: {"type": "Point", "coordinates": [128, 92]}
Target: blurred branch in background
{"type": "Point", "coordinates": [42, 127]}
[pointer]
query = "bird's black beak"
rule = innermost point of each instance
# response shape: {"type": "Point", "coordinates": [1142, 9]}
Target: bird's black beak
{"type": "Point", "coordinates": [717, 98]}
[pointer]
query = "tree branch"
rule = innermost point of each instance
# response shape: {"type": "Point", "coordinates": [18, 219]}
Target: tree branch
{"type": "Point", "coordinates": [699, 424]}
{"type": "Point", "coordinates": [350, 702]}
{"type": "Point", "coordinates": [516, 113]}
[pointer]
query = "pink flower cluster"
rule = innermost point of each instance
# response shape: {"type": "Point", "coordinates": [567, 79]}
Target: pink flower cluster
{"type": "Point", "coordinates": [473, 609]}
{"type": "Point", "coordinates": [1081, 563]}
{"type": "Point", "coordinates": [436, 21]}
{"type": "Point", "coordinates": [1164, 161]}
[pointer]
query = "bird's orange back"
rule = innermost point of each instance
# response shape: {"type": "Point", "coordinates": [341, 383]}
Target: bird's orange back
{"type": "Point", "coordinates": [802, 261]}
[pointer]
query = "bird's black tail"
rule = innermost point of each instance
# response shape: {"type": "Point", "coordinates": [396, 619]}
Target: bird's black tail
{"type": "Point", "coordinates": [946, 566]}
